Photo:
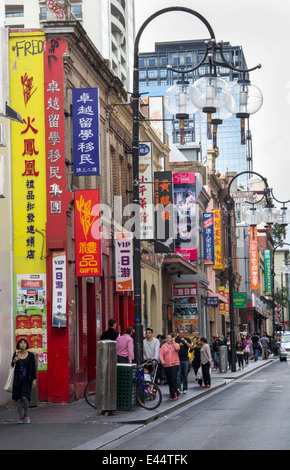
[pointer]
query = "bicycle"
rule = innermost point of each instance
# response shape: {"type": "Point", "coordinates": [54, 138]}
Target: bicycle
{"type": "Point", "coordinates": [148, 393]}
{"type": "Point", "coordinates": [90, 393]}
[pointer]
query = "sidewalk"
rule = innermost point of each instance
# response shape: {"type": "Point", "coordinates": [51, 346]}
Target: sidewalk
{"type": "Point", "coordinates": [79, 426]}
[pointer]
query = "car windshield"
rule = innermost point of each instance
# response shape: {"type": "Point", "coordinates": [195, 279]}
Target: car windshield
{"type": "Point", "coordinates": [285, 339]}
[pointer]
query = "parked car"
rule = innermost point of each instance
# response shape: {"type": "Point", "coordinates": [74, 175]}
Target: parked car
{"type": "Point", "coordinates": [285, 346]}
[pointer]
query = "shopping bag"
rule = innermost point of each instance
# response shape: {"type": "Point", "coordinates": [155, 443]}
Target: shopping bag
{"type": "Point", "coordinates": [9, 383]}
{"type": "Point", "coordinates": [199, 374]}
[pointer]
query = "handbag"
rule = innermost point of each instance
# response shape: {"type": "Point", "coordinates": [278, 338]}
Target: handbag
{"type": "Point", "coordinates": [9, 382]}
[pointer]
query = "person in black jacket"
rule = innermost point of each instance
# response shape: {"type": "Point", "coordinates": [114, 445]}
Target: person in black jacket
{"type": "Point", "coordinates": [185, 345]}
{"type": "Point", "coordinates": [24, 378]}
{"type": "Point", "coordinates": [216, 345]}
{"type": "Point", "coordinates": [111, 332]}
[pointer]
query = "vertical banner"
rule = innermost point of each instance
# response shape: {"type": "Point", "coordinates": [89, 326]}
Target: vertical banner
{"type": "Point", "coordinates": [185, 215]}
{"type": "Point", "coordinates": [124, 261]}
{"type": "Point", "coordinates": [57, 195]}
{"type": "Point", "coordinates": [222, 306]}
{"type": "Point", "coordinates": [268, 273]}
{"type": "Point", "coordinates": [87, 233]}
{"type": "Point", "coordinates": [59, 295]}
{"type": "Point", "coordinates": [163, 199]}
{"type": "Point", "coordinates": [208, 238]}
{"type": "Point", "coordinates": [254, 258]}
{"type": "Point", "coordinates": [146, 191]}
{"type": "Point", "coordinates": [218, 264]}
{"type": "Point", "coordinates": [185, 312]}
{"type": "Point", "coordinates": [28, 190]}
{"type": "Point", "coordinates": [227, 305]}
{"type": "Point", "coordinates": [86, 141]}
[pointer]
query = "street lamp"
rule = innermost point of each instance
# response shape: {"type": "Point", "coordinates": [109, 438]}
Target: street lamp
{"type": "Point", "coordinates": [209, 95]}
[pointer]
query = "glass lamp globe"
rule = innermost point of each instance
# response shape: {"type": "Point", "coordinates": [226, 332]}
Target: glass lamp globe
{"type": "Point", "coordinates": [177, 100]}
{"type": "Point", "coordinates": [284, 216]}
{"type": "Point", "coordinates": [247, 99]}
{"type": "Point", "coordinates": [252, 217]}
{"type": "Point", "coordinates": [210, 94]}
{"type": "Point", "coordinates": [270, 215]}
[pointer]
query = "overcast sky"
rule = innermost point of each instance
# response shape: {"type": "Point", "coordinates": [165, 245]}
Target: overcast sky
{"type": "Point", "coordinates": [262, 28]}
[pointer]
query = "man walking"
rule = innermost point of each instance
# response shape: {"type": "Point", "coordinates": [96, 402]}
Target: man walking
{"type": "Point", "coordinates": [151, 346]}
{"type": "Point", "coordinates": [185, 345]}
{"type": "Point", "coordinates": [265, 344]}
{"type": "Point", "coordinates": [256, 345]}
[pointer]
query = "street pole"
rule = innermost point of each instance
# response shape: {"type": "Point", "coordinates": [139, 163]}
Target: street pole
{"type": "Point", "coordinates": [231, 290]}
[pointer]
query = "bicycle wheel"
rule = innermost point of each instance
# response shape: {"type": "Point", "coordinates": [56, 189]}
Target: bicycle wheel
{"type": "Point", "coordinates": [90, 393]}
{"type": "Point", "coordinates": [149, 395]}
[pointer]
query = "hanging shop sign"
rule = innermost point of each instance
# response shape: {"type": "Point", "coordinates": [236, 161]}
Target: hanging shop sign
{"type": "Point", "coordinates": [185, 313]}
{"type": "Point", "coordinates": [86, 142]}
{"type": "Point", "coordinates": [163, 201]}
{"type": "Point", "coordinates": [254, 258]}
{"type": "Point", "coordinates": [208, 238]}
{"type": "Point", "coordinates": [185, 227]}
{"type": "Point", "coordinates": [59, 290]}
{"type": "Point", "coordinates": [217, 240]}
{"type": "Point", "coordinates": [146, 191]}
{"type": "Point", "coordinates": [222, 305]}
{"type": "Point", "coordinates": [87, 233]}
{"type": "Point", "coordinates": [213, 301]}
{"type": "Point", "coordinates": [267, 270]}
{"type": "Point", "coordinates": [124, 261]}
{"type": "Point", "coordinates": [240, 299]}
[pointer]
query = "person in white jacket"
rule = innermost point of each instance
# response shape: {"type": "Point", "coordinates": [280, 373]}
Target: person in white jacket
{"type": "Point", "coordinates": [151, 346]}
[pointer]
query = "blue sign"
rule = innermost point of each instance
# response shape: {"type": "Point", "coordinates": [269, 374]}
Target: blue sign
{"type": "Point", "coordinates": [214, 301]}
{"type": "Point", "coordinates": [208, 238]}
{"type": "Point", "coordinates": [86, 141]}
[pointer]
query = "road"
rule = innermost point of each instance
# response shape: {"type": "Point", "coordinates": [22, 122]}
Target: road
{"type": "Point", "coordinates": [253, 413]}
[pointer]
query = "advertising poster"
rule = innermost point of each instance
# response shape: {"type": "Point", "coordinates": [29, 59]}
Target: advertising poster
{"type": "Point", "coordinates": [124, 261]}
{"type": "Point", "coordinates": [86, 142]}
{"type": "Point", "coordinates": [146, 191]}
{"type": "Point", "coordinates": [267, 270]}
{"type": "Point", "coordinates": [30, 318]}
{"type": "Point", "coordinates": [208, 238]}
{"type": "Point", "coordinates": [164, 214]}
{"type": "Point", "coordinates": [185, 229]}
{"type": "Point", "coordinates": [59, 292]}
{"type": "Point", "coordinates": [185, 313]}
{"type": "Point", "coordinates": [87, 233]}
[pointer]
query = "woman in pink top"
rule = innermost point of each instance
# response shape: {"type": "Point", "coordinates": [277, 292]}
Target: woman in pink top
{"type": "Point", "coordinates": [169, 358]}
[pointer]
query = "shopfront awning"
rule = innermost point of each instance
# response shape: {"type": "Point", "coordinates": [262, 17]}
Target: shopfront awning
{"type": "Point", "coordinates": [178, 266]}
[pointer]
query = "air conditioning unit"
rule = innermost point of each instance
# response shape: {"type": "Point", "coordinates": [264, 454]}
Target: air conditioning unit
{"type": "Point", "coordinates": [2, 175]}
{"type": "Point", "coordinates": [2, 136]}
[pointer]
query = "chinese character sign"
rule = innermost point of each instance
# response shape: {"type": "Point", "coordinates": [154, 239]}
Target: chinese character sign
{"type": "Point", "coordinates": [164, 223]}
{"type": "Point", "coordinates": [208, 238]}
{"type": "Point", "coordinates": [185, 312]}
{"type": "Point", "coordinates": [86, 146]}
{"type": "Point", "coordinates": [222, 305]}
{"type": "Point", "coordinates": [59, 295]}
{"type": "Point", "coordinates": [124, 261]}
{"type": "Point", "coordinates": [254, 258]}
{"type": "Point", "coordinates": [185, 227]}
{"type": "Point", "coordinates": [146, 191]}
{"type": "Point", "coordinates": [218, 262]}
{"type": "Point", "coordinates": [87, 233]}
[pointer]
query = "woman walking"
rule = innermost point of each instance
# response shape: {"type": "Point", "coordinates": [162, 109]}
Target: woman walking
{"type": "Point", "coordinates": [24, 379]}
{"type": "Point", "coordinates": [206, 361]}
{"type": "Point", "coordinates": [169, 358]}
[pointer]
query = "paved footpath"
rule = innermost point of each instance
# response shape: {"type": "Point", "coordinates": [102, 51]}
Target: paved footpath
{"type": "Point", "coordinates": [77, 426]}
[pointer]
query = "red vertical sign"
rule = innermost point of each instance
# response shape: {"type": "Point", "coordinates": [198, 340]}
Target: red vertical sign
{"type": "Point", "coordinates": [87, 233]}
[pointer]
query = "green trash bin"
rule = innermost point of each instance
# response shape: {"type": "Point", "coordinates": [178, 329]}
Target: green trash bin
{"type": "Point", "coordinates": [126, 387]}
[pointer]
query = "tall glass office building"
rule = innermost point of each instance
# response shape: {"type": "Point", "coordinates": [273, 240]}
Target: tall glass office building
{"type": "Point", "coordinates": [155, 79]}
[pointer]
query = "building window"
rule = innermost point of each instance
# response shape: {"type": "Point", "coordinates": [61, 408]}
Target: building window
{"type": "Point", "coordinates": [42, 13]}
{"type": "Point", "coordinates": [152, 62]}
{"type": "Point", "coordinates": [12, 11]}
{"type": "Point", "coordinates": [77, 11]}
{"type": "Point", "coordinates": [141, 63]}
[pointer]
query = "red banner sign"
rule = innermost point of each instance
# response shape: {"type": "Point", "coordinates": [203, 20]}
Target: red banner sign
{"type": "Point", "coordinates": [87, 233]}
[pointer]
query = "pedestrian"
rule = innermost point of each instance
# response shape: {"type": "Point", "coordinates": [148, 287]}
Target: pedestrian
{"type": "Point", "coordinates": [196, 358]}
{"type": "Point", "coordinates": [206, 361]}
{"type": "Point", "coordinates": [247, 350]}
{"type": "Point", "coordinates": [240, 346]}
{"type": "Point", "coordinates": [185, 347]}
{"type": "Point", "coordinates": [24, 379]}
{"type": "Point", "coordinates": [264, 344]}
{"type": "Point", "coordinates": [151, 346]}
{"type": "Point", "coordinates": [125, 347]}
{"type": "Point", "coordinates": [111, 333]}
{"type": "Point", "coordinates": [169, 358]}
{"type": "Point", "coordinates": [256, 345]}
{"type": "Point", "coordinates": [216, 347]}
{"type": "Point", "coordinates": [275, 346]}
{"type": "Point", "coordinates": [228, 345]}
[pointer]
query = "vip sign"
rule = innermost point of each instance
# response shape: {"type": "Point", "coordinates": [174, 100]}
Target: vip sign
{"type": "Point", "coordinates": [59, 295]}
{"type": "Point", "coordinates": [87, 233]}
{"type": "Point", "coordinates": [124, 261]}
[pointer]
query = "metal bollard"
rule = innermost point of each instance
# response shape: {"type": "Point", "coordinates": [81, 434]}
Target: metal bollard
{"type": "Point", "coordinates": [223, 359]}
{"type": "Point", "coordinates": [106, 378]}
